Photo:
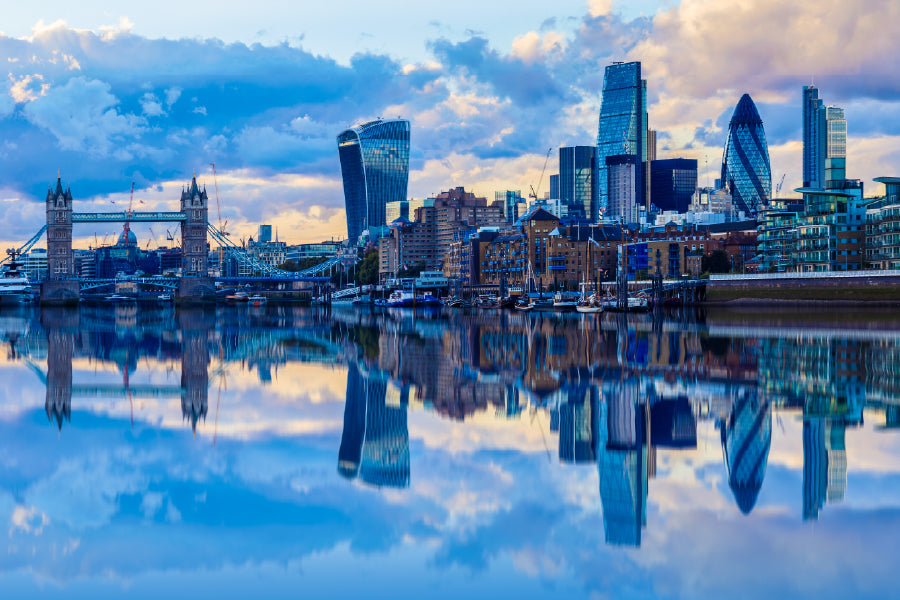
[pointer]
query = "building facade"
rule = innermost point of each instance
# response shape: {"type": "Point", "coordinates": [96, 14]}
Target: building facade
{"type": "Point", "coordinates": [375, 170]}
{"type": "Point", "coordinates": [622, 128]}
{"type": "Point", "coordinates": [746, 172]}
{"type": "Point", "coordinates": [882, 250]}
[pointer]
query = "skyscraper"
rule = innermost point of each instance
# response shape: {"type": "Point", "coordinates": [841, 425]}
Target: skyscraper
{"type": "Point", "coordinates": [673, 183]}
{"type": "Point", "coordinates": [578, 181]}
{"type": "Point", "coordinates": [622, 131]}
{"type": "Point", "coordinates": [836, 147]}
{"type": "Point", "coordinates": [824, 141]}
{"type": "Point", "coordinates": [746, 172]}
{"type": "Point", "coordinates": [813, 138]}
{"type": "Point", "coordinates": [375, 169]}
{"type": "Point", "coordinates": [554, 186]}
{"type": "Point", "coordinates": [511, 200]}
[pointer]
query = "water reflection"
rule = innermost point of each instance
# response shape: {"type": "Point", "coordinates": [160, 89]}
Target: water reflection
{"type": "Point", "coordinates": [614, 398]}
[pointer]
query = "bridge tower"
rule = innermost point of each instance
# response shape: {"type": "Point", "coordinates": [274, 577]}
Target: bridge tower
{"type": "Point", "coordinates": [61, 285]}
{"type": "Point", "coordinates": [195, 283]}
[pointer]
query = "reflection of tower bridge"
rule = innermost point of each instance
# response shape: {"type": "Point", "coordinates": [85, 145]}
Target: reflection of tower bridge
{"type": "Point", "coordinates": [63, 285]}
{"type": "Point", "coordinates": [64, 336]}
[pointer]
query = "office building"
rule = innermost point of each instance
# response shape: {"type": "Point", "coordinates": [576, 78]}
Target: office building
{"type": "Point", "coordinates": [746, 172]}
{"type": "Point", "coordinates": [554, 186]}
{"type": "Point", "coordinates": [578, 181]}
{"type": "Point", "coordinates": [264, 234]}
{"type": "Point", "coordinates": [375, 170]}
{"type": "Point", "coordinates": [673, 183]}
{"type": "Point", "coordinates": [512, 203]}
{"type": "Point", "coordinates": [622, 132]}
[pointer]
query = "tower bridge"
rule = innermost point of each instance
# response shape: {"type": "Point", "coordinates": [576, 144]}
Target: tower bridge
{"type": "Point", "coordinates": [63, 286]}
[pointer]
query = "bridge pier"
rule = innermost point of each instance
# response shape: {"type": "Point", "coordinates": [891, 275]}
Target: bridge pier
{"type": "Point", "coordinates": [193, 290]}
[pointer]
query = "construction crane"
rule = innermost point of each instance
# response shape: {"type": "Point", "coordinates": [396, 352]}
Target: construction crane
{"type": "Point", "coordinates": [150, 239]}
{"type": "Point", "coordinates": [534, 193]}
{"type": "Point", "coordinates": [780, 183]}
{"type": "Point", "coordinates": [219, 210]}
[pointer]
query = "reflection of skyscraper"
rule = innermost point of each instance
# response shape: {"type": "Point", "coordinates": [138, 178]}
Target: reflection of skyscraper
{"type": "Point", "coordinates": [815, 467]}
{"type": "Point", "coordinates": [578, 425]}
{"type": "Point", "coordinates": [837, 461]}
{"type": "Point", "coordinates": [622, 462]}
{"type": "Point", "coordinates": [746, 172]}
{"type": "Point", "coordinates": [375, 441]}
{"type": "Point", "coordinates": [375, 170]}
{"type": "Point", "coordinates": [354, 424]}
{"type": "Point", "coordinates": [746, 438]}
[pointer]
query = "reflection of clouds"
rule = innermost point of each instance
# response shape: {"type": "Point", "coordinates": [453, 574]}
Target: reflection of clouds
{"type": "Point", "coordinates": [83, 491]}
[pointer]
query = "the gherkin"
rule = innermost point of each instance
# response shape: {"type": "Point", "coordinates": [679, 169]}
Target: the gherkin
{"type": "Point", "coordinates": [746, 172]}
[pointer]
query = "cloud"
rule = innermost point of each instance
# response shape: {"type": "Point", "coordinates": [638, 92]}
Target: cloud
{"type": "Point", "coordinates": [151, 105]}
{"type": "Point", "coordinates": [82, 116]}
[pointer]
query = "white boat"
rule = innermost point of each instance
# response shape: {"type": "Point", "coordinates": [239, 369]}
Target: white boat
{"type": "Point", "coordinates": [164, 297]}
{"type": "Point", "coordinates": [14, 285]}
{"type": "Point", "coordinates": [116, 298]}
{"type": "Point", "coordinates": [400, 299]}
{"type": "Point", "coordinates": [256, 300]}
{"type": "Point", "coordinates": [564, 303]}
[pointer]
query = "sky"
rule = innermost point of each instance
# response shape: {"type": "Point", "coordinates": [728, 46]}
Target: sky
{"type": "Point", "coordinates": [107, 93]}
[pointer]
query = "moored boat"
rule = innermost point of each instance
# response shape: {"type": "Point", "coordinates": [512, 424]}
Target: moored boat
{"type": "Point", "coordinates": [400, 299]}
{"type": "Point", "coordinates": [14, 285]}
{"type": "Point", "coordinates": [256, 300]}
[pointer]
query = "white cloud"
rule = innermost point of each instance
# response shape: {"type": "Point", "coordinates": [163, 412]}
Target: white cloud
{"type": "Point", "coordinates": [531, 47]}
{"type": "Point", "coordinates": [172, 95]}
{"type": "Point", "coordinates": [599, 8]}
{"type": "Point", "coordinates": [82, 116]}
{"type": "Point", "coordinates": [151, 105]}
{"type": "Point", "coordinates": [28, 88]}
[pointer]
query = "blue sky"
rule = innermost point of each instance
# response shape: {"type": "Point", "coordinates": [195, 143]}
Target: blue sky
{"type": "Point", "coordinates": [109, 93]}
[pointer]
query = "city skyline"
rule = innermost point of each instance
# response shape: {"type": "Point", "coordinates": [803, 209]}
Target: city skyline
{"type": "Point", "coordinates": [485, 105]}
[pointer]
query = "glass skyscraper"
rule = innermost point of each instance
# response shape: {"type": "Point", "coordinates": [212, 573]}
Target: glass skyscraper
{"type": "Point", "coordinates": [673, 182]}
{"type": "Point", "coordinates": [578, 181]}
{"type": "Point", "coordinates": [622, 130]}
{"type": "Point", "coordinates": [814, 143]}
{"type": "Point", "coordinates": [375, 169]}
{"type": "Point", "coordinates": [746, 172]}
{"type": "Point", "coordinates": [824, 141]}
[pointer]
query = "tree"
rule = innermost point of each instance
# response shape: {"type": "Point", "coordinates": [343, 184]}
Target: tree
{"type": "Point", "coordinates": [303, 264]}
{"type": "Point", "coordinates": [716, 262]}
{"type": "Point", "coordinates": [367, 269]}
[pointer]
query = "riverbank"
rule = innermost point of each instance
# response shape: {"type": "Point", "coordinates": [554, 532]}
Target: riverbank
{"type": "Point", "coordinates": [870, 288]}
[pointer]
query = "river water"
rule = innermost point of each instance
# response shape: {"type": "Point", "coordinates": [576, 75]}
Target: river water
{"type": "Point", "coordinates": [297, 452]}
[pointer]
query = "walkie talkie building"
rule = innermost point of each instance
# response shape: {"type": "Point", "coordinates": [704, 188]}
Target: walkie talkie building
{"type": "Point", "coordinates": [746, 172]}
{"type": "Point", "coordinates": [375, 169]}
